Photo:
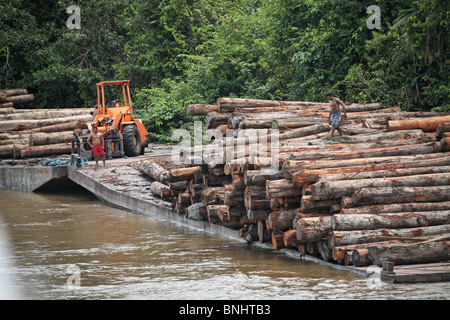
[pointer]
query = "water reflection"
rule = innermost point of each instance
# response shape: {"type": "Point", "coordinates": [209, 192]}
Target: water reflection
{"type": "Point", "coordinates": [121, 255]}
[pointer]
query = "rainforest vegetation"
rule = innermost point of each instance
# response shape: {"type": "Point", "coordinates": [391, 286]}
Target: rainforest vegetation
{"type": "Point", "coordinates": [178, 52]}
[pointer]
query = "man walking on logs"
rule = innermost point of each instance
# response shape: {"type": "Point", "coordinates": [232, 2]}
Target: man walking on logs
{"type": "Point", "coordinates": [335, 114]}
{"type": "Point", "coordinates": [97, 145]}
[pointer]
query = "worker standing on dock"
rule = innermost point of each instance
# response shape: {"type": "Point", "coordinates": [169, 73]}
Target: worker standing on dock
{"type": "Point", "coordinates": [97, 145]}
{"type": "Point", "coordinates": [335, 114]}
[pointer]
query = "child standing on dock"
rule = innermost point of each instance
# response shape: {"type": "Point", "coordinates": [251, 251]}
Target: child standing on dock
{"type": "Point", "coordinates": [97, 145]}
{"type": "Point", "coordinates": [335, 114]}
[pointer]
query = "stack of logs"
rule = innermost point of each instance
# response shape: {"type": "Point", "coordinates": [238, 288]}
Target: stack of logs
{"type": "Point", "coordinates": [380, 192]}
{"type": "Point", "coordinates": [9, 98]}
{"type": "Point", "coordinates": [29, 133]}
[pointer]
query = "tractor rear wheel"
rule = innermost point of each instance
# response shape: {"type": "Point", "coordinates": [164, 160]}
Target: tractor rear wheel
{"type": "Point", "coordinates": [131, 141]}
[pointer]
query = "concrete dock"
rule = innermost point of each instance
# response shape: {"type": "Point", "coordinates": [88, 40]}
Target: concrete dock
{"type": "Point", "coordinates": [120, 185]}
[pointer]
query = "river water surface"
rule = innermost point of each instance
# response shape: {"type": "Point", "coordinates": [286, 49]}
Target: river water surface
{"type": "Point", "coordinates": [70, 245]}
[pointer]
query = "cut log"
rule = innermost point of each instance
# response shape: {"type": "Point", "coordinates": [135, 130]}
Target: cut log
{"type": "Point", "coordinates": [281, 188]}
{"type": "Point", "coordinates": [338, 253]}
{"type": "Point", "coordinates": [47, 114]}
{"type": "Point", "coordinates": [238, 181]}
{"type": "Point", "coordinates": [68, 126]}
{"type": "Point", "coordinates": [217, 212]}
{"type": "Point", "coordinates": [6, 105]}
{"type": "Point", "coordinates": [281, 220]}
{"type": "Point", "coordinates": [264, 235]}
{"type": "Point", "coordinates": [21, 99]}
{"type": "Point", "coordinates": [201, 109]}
{"type": "Point", "coordinates": [442, 128]}
{"type": "Point", "coordinates": [277, 241]}
{"type": "Point", "coordinates": [306, 131]}
{"type": "Point", "coordinates": [39, 139]}
{"type": "Point", "coordinates": [361, 257]}
{"type": "Point", "coordinates": [18, 125]}
{"type": "Point", "coordinates": [426, 124]}
{"type": "Point", "coordinates": [197, 211]}
{"type": "Point", "coordinates": [13, 92]}
{"type": "Point", "coordinates": [312, 176]}
{"type": "Point", "coordinates": [342, 238]}
{"type": "Point", "coordinates": [233, 197]}
{"type": "Point", "coordinates": [398, 207]}
{"type": "Point", "coordinates": [444, 145]}
{"type": "Point", "coordinates": [369, 196]}
{"type": "Point", "coordinates": [323, 190]}
{"type": "Point", "coordinates": [215, 119]}
{"type": "Point", "coordinates": [290, 166]}
{"type": "Point", "coordinates": [308, 204]}
{"type": "Point", "coordinates": [261, 214]}
{"type": "Point", "coordinates": [153, 170]}
{"type": "Point", "coordinates": [213, 195]}
{"type": "Point", "coordinates": [344, 222]}
{"type": "Point", "coordinates": [290, 239]}
{"type": "Point", "coordinates": [159, 189]}
{"type": "Point", "coordinates": [313, 229]}
{"type": "Point", "coordinates": [39, 151]}
{"type": "Point", "coordinates": [406, 254]}
{"type": "Point", "coordinates": [181, 174]}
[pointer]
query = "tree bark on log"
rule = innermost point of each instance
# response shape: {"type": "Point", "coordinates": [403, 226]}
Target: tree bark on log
{"type": "Point", "coordinates": [346, 222]}
{"type": "Point", "coordinates": [323, 189]}
{"type": "Point", "coordinates": [312, 176]}
{"type": "Point", "coordinates": [387, 195]}
{"type": "Point", "coordinates": [442, 128]}
{"type": "Point", "coordinates": [159, 189]}
{"type": "Point", "coordinates": [342, 238]}
{"type": "Point", "coordinates": [338, 253]}
{"type": "Point", "coordinates": [197, 211]}
{"type": "Point", "coordinates": [217, 212]}
{"type": "Point", "coordinates": [213, 195]}
{"type": "Point", "coordinates": [398, 207]}
{"type": "Point", "coordinates": [201, 109]}
{"type": "Point", "coordinates": [264, 234]}
{"type": "Point", "coordinates": [444, 145]}
{"type": "Point", "coordinates": [290, 166]}
{"type": "Point", "coordinates": [277, 241]}
{"type": "Point", "coordinates": [39, 139]}
{"type": "Point", "coordinates": [19, 125]}
{"type": "Point", "coordinates": [47, 114]}
{"type": "Point", "coordinates": [39, 151]}
{"type": "Point", "coordinates": [313, 229]}
{"type": "Point", "coordinates": [426, 124]}
{"type": "Point", "coordinates": [282, 220]}
{"type": "Point", "coordinates": [410, 253]}
{"type": "Point", "coordinates": [21, 99]}
{"type": "Point", "coordinates": [281, 188]}
{"type": "Point", "coordinates": [153, 170]}
{"type": "Point", "coordinates": [180, 174]}
{"type": "Point", "coordinates": [68, 126]}
{"type": "Point", "coordinates": [308, 204]}
{"type": "Point", "coordinates": [290, 239]}
{"type": "Point", "coordinates": [13, 92]}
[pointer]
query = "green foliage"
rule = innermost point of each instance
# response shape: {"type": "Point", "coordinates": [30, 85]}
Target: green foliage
{"type": "Point", "coordinates": [177, 52]}
{"type": "Point", "coordinates": [163, 109]}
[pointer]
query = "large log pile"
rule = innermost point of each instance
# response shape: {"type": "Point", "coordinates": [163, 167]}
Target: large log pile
{"type": "Point", "coordinates": [29, 133]}
{"type": "Point", "coordinates": [381, 191]}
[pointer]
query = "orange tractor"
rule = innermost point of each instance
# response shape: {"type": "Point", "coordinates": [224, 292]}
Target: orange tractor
{"type": "Point", "coordinates": [123, 134]}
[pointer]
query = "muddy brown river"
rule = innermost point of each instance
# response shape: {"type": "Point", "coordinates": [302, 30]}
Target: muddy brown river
{"type": "Point", "coordinates": [70, 245]}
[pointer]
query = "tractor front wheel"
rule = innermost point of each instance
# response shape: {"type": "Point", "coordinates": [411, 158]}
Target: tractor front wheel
{"type": "Point", "coordinates": [131, 141]}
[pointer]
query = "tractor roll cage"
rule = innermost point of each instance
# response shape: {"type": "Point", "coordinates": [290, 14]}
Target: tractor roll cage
{"type": "Point", "coordinates": [126, 94]}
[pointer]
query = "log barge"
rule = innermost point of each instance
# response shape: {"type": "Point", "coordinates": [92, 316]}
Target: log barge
{"type": "Point", "coordinates": [377, 196]}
